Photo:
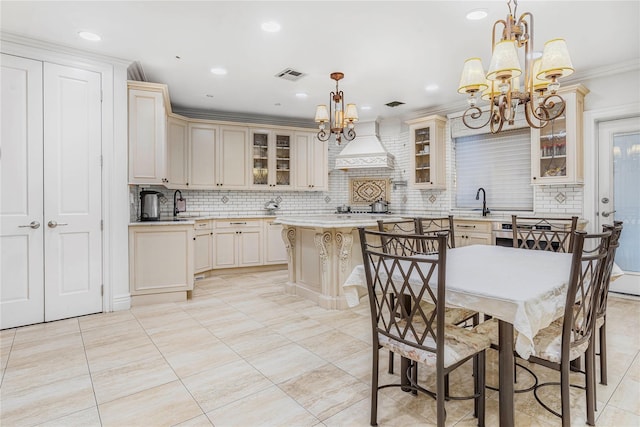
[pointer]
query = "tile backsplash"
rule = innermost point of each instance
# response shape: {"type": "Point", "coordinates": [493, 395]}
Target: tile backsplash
{"type": "Point", "coordinates": [403, 199]}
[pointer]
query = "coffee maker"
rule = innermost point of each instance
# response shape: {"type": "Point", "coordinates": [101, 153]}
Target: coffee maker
{"type": "Point", "coordinates": [150, 205]}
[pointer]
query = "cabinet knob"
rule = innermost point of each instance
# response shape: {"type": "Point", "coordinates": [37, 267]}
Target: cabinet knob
{"type": "Point", "coordinates": [534, 177]}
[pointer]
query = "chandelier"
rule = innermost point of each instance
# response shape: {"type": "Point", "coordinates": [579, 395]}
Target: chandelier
{"type": "Point", "coordinates": [341, 121]}
{"type": "Point", "coordinates": [501, 84]}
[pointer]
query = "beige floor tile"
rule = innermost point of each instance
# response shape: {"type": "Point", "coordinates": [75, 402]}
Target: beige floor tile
{"type": "Point", "coordinates": [325, 391]}
{"type": "Point", "coordinates": [283, 363]}
{"type": "Point", "coordinates": [627, 396]}
{"type": "Point", "coordinates": [105, 319]}
{"type": "Point", "coordinates": [298, 327]}
{"type": "Point", "coordinates": [256, 342]}
{"type": "Point", "coordinates": [200, 356]}
{"type": "Point", "coordinates": [199, 421]}
{"type": "Point", "coordinates": [612, 416]}
{"type": "Point", "coordinates": [333, 345]}
{"type": "Point", "coordinates": [269, 407]}
{"type": "Point", "coordinates": [234, 323]}
{"type": "Point", "coordinates": [123, 352]}
{"type": "Point", "coordinates": [634, 369]}
{"type": "Point", "coordinates": [46, 330]}
{"type": "Point", "coordinates": [179, 339]}
{"type": "Point", "coordinates": [110, 334]}
{"type": "Point", "coordinates": [114, 383]}
{"type": "Point", "coordinates": [215, 388]}
{"type": "Point", "coordinates": [86, 418]}
{"type": "Point", "coordinates": [29, 406]}
{"type": "Point", "coordinates": [164, 405]}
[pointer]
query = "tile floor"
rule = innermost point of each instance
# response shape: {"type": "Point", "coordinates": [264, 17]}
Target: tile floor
{"type": "Point", "coordinates": [243, 353]}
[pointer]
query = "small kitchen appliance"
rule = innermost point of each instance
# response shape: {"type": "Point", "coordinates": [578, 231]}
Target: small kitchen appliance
{"type": "Point", "coordinates": [150, 205]}
{"type": "Point", "coordinates": [381, 206]}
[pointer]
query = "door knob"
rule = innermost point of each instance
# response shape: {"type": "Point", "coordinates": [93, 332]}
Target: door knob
{"type": "Point", "coordinates": [32, 224]}
{"type": "Point", "coordinates": [606, 214]}
{"type": "Point", "coordinates": [53, 224]}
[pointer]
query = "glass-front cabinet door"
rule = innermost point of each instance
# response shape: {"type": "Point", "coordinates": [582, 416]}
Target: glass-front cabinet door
{"type": "Point", "coordinates": [427, 152]}
{"type": "Point", "coordinates": [271, 159]}
{"type": "Point", "coordinates": [557, 149]}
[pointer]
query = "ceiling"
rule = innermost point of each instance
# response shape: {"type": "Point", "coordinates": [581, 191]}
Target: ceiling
{"type": "Point", "coordinates": [388, 50]}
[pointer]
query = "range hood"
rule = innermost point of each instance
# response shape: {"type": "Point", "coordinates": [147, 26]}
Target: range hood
{"type": "Point", "coordinates": [365, 151]}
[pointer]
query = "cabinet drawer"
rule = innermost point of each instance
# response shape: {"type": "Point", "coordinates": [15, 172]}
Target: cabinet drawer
{"type": "Point", "coordinates": [239, 223]}
{"type": "Point", "coordinates": [202, 225]}
{"type": "Point", "coordinates": [472, 226]}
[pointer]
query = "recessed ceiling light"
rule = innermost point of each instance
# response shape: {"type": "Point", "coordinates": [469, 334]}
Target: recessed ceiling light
{"type": "Point", "coordinates": [218, 71]}
{"type": "Point", "coordinates": [271, 26]}
{"type": "Point", "coordinates": [477, 14]}
{"type": "Point", "coordinates": [366, 107]}
{"type": "Point", "coordinates": [93, 37]}
{"type": "Point", "coordinates": [431, 87]}
{"type": "Point", "coordinates": [301, 95]}
{"type": "Point", "coordinates": [209, 95]}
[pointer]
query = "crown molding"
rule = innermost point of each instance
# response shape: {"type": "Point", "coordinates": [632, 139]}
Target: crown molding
{"type": "Point", "coordinates": [232, 116]}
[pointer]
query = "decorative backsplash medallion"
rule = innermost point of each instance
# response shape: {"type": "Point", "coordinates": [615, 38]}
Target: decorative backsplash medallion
{"type": "Point", "coordinates": [368, 190]}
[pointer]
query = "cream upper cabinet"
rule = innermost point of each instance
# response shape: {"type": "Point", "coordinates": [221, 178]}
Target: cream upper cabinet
{"type": "Point", "coordinates": [311, 162]}
{"type": "Point", "coordinates": [427, 152]}
{"type": "Point", "coordinates": [232, 167]}
{"type": "Point", "coordinates": [271, 162]}
{"type": "Point", "coordinates": [203, 138]}
{"type": "Point", "coordinates": [177, 152]}
{"type": "Point", "coordinates": [147, 133]}
{"type": "Point", "coordinates": [557, 149]}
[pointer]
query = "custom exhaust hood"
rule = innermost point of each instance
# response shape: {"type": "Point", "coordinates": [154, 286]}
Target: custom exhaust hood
{"type": "Point", "coordinates": [365, 151]}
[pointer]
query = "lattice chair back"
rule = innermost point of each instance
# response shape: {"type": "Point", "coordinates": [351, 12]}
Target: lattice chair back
{"type": "Point", "coordinates": [544, 234]}
{"type": "Point", "coordinates": [616, 231]}
{"type": "Point", "coordinates": [587, 267]}
{"type": "Point", "coordinates": [438, 224]}
{"type": "Point", "coordinates": [402, 227]}
{"type": "Point", "coordinates": [398, 265]}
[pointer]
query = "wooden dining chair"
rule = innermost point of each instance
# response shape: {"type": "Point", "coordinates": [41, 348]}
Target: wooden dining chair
{"type": "Point", "coordinates": [545, 234]}
{"type": "Point", "coordinates": [601, 312]}
{"type": "Point", "coordinates": [572, 336]}
{"type": "Point", "coordinates": [422, 337]}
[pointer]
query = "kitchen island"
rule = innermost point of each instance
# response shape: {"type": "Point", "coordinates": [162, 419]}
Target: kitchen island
{"type": "Point", "coordinates": [322, 252]}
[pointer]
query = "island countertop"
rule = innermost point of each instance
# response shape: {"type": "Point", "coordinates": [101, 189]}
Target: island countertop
{"type": "Point", "coordinates": [336, 220]}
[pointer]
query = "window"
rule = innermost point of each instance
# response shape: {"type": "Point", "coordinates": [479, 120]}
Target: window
{"type": "Point", "coordinates": [501, 164]}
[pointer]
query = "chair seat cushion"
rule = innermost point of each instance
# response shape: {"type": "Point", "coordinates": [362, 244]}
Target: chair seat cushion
{"type": "Point", "coordinates": [459, 343]}
{"type": "Point", "coordinates": [452, 316]}
{"type": "Point", "coordinates": [548, 343]}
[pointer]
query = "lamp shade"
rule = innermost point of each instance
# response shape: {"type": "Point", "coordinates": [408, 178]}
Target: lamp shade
{"type": "Point", "coordinates": [555, 60]}
{"type": "Point", "coordinates": [538, 84]}
{"type": "Point", "coordinates": [322, 114]}
{"type": "Point", "coordinates": [504, 61]}
{"type": "Point", "coordinates": [472, 78]}
{"type": "Point", "coordinates": [351, 113]}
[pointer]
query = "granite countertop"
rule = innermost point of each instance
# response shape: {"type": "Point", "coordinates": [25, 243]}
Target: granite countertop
{"type": "Point", "coordinates": [191, 219]}
{"type": "Point", "coordinates": [336, 220]}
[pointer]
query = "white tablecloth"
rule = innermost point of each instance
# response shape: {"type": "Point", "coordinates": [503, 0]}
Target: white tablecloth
{"type": "Point", "coordinates": [523, 287]}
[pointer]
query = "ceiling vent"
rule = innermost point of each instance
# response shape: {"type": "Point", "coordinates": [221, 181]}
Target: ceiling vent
{"type": "Point", "coordinates": [290, 74]}
{"type": "Point", "coordinates": [394, 104]}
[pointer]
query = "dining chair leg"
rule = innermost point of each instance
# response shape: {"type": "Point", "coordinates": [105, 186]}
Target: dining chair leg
{"type": "Point", "coordinates": [481, 390]}
{"type": "Point", "coordinates": [440, 410]}
{"type": "Point", "coordinates": [565, 395]}
{"type": "Point", "coordinates": [590, 382]}
{"type": "Point", "coordinates": [374, 387]}
{"type": "Point", "coordinates": [603, 352]}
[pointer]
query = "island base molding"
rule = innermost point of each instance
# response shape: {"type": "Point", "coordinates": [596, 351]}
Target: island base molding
{"type": "Point", "coordinates": [320, 260]}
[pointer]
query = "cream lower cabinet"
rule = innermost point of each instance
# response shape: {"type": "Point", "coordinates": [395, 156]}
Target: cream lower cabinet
{"type": "Point", "coordinates": [160, 259]}
{"type": "Point", "coordinates": [203, 246]}
{"type": "Point", "coordinates": [471, 232]}
{"type": "Point", "coordinates": [275, 252]}
{"type": "Point", "coordinates": [238, 243]}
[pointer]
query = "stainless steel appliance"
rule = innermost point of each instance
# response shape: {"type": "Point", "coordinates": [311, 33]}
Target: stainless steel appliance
{"type": "Point", "coordinates": [150, 205]}
{"type": "Point", "coordinates": [381, 206]}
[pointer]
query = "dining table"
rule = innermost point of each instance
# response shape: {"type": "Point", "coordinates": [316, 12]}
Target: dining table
{"type": "Point", "coordinates": [525, 290]}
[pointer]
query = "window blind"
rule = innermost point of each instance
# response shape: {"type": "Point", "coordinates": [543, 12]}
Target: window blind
{"type": "Point", "coordinates": [501, 164]}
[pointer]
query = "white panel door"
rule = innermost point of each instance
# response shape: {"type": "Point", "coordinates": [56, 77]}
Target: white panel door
{"type": "Point", "coordinates": [619, 194]}
{"type": "Point", "coordinates": [72, 196]}
{"type": "Point", "coordinates": [21, 256]}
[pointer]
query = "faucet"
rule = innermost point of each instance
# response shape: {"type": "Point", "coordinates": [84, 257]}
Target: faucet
{"type": "Point", "coordinates": [485, 211]}
{"type": "Point", "coordinates": [176, 211]}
